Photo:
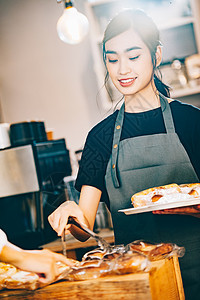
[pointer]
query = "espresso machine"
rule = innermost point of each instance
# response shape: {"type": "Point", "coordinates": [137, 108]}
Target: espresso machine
{"type": "Point", "coordinates": [31, 175]}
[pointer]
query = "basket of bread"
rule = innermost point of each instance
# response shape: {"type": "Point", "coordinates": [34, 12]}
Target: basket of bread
{"type": "Point", "coordinates": [135, 257]}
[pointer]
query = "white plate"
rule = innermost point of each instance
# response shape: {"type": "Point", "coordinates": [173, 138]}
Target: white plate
{"type": "Point", "coordinates": [137, 210]}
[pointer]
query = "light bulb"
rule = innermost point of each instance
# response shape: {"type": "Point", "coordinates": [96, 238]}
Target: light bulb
{"type": "Point", "coordinates": [72, 26]}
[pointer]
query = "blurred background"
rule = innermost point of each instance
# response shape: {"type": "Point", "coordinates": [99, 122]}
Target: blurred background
{"type": "Point", "coordinates": [43, 78]}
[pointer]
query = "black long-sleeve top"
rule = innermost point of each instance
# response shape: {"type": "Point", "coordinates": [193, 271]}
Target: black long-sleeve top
{"type": "Point", "coordinates": [97, 149]}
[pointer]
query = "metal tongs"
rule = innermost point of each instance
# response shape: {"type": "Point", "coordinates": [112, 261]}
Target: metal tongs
{"type": "Point", "coordinates": [101, 242]}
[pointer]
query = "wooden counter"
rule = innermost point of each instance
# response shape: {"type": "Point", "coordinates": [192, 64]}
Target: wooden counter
{"type": "Point", "coordinates": [162, 282]}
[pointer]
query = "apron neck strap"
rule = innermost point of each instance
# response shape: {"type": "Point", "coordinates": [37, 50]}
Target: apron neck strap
{"type": "Point", "coordinates": [115, 146]}
{"type": "Point", "coordinates": [167, 114]}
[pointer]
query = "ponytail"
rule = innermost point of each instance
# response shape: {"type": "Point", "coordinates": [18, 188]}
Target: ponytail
{"type": "Point", "coordinates": [162, 87]}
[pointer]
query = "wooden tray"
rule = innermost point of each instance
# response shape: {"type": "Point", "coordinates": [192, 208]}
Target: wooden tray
{"type": "Point", "coordinates": [162, 282]}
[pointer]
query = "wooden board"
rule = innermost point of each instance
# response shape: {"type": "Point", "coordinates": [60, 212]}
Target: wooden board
{"type": "Point", "coordinates": [117, 287]}
{"type": "Point", "coordinates": [162, 282]}
{"type": "Point", "coordinates": [165, 280]}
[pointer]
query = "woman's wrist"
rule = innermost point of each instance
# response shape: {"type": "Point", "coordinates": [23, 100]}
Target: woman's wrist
{"type": "Point", "coordinates": [3, 240]}
{"type": "Point", "coordinates": [11, 254]}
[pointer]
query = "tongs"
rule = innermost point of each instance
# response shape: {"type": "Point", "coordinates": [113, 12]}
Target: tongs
{"type": "Point", "coordinates": [101, 242]}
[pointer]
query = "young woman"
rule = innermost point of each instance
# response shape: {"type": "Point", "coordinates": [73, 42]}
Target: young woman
{"type": "Point", "coordinates": [151, 141]}
{"type": "Point", "coordinates": [42, 262]}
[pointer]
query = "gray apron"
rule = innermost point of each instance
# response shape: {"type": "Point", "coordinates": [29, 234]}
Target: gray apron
{"type": "Point", "coordinates": [147, 161]}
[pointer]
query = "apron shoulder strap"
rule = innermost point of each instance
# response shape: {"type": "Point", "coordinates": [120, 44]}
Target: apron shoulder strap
{"type": "Point", "coordinates": [167, 114]}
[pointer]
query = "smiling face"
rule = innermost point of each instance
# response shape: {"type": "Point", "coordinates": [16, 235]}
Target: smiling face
{"type": "Point", "coordinates": [129, 63]}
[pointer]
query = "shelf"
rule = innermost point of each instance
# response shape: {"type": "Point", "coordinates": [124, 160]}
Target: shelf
{"type": "Point", "coordinates": [185, 92]}
{"type": "Point", "coordinates": [167, 25]}
{"type": "Point", "coordinates": [176, 23]}
{"type": "Point", "coordinates": [99, 2]}
{"type": "Point", "coordinates": [171, 24]}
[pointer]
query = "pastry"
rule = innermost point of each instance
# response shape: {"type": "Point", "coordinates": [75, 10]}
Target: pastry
{"type": "Point", "coordinates": [142, 247]}
{"type": "Point", "coordinates": [94, 254]}
{"type": "Point", "coordinates": [153, 195]}
{"type": "Point", "coordinates": [90, 270]}
{"type": "Point", "coordinates": [166, 194]}
{"type": "Point", "coordinates": [130, 262]}
{"type": "Point", "coordinates": [152, 251]}
{"type": "Point", "coordinates": [192, 189]}
{"type": "Point", "coordinates": [6, 270]}
{"type": "Point", "coordinates": [160, 251]}
{"type": "Point", "coordinates": [22, 280]}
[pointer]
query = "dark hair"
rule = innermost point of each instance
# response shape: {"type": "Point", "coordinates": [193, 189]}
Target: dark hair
{"type": "Point", "coordinates": [148, 32]}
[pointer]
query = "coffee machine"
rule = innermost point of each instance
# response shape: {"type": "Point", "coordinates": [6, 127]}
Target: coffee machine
{"type": "Point", "coordinates": [31, 174]}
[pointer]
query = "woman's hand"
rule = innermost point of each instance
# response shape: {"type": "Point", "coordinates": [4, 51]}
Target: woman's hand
{"type": "Point", "coordinates": [42, 262]}
{"type": "Point", "coordinates": [193, 210]}
{"type": "Point", "coordinates": [85, 213]}
{"type": "Point", "coordinates": [59, 218]}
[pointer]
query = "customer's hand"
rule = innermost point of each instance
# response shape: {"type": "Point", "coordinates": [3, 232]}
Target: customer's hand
{"type": "Point", "coordinates": [42, 262]}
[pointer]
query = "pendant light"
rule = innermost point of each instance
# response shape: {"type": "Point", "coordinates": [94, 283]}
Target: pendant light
{"type": "Point", "coordinates": [72, 26]}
